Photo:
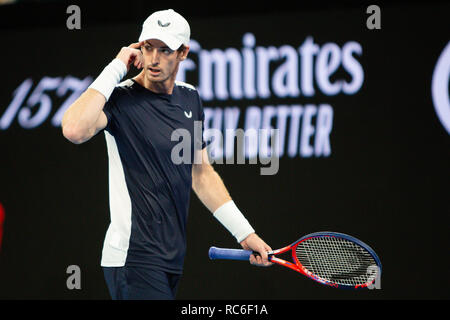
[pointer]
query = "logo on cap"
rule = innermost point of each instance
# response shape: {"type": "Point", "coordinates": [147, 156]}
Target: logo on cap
{"type": "Point", "coordinates": [163, 25]}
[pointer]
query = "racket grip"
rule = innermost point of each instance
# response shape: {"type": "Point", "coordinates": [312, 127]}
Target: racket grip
{"type": "Point", "coordinates": [229, 254]}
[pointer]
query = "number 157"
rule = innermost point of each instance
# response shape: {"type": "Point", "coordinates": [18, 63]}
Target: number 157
{"type": "Point", "coordinates": [38, 106]}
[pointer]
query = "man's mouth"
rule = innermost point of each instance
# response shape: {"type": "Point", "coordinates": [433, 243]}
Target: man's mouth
{"type": "Point", "coordinates": [154, 71]}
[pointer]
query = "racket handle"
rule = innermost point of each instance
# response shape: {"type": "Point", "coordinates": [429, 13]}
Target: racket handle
{"type": "Point", "coordinates": [229, 254]}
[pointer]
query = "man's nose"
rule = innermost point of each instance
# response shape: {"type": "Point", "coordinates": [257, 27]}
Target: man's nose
{"type": "Point", "coordinates": [154, 57]}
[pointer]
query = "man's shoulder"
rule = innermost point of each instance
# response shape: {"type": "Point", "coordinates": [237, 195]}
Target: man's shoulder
{"type": "Point", "coordinates": [121, 90]}
{"type": "Point", "coordinates": [126, 84]}
{"type": "Point", "coordinates": [185, 86]}
{"type": "Point", "coordinates": [187, 91]}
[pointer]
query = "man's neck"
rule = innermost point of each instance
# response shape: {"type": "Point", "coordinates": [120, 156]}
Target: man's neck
{"type": "Point", "coordinates": [165, 87]}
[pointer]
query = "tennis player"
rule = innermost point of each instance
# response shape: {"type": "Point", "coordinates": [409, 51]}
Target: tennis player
{"type": "Point", "coordinates": [145, 244]}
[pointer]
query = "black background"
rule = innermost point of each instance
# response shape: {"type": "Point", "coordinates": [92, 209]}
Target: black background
{"type": "Point", "coordinates": [386, 181]}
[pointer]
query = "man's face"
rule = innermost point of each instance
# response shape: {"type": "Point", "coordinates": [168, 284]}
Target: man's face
{"type": "Point", "coordinates": [161, 62]}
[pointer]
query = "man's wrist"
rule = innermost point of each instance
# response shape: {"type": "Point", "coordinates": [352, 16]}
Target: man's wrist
{"type": "Point", "coordinates": [233, 220]}
{"type": "Point", "coordinates": [244, 241]}
{"type": "Point", "coordinates": [109, 78]}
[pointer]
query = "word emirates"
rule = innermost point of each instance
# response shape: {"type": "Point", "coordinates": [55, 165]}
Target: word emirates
{"type": "Point", "coordinates": [273, 73]}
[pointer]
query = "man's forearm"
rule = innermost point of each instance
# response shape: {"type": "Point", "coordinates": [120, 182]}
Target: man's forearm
{"type": "Point", "coordinates": [80, 121]}
{"type": "Point", "coordinates": [80, 118]}
{"type": "Point", "coordinates": [210, 189]}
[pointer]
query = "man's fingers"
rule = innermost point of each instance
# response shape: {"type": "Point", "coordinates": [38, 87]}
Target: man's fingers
{"type": "Point", "coordinates": [263, 254]}
{"type": "Point", "coordinates": [136, 45]}
{"type": "Point", "coordinates": [259, 260]}
{"type": "Point", "coordinates": [268, 249]}
{"type": "Point", "coordinates": [256, 259]}
{"type": "Point", "coordinates": [265, 259]}
{"type": "Point", "coordinates": [260, 249]}
{"type": "Point", "coordinates": [135, 58]}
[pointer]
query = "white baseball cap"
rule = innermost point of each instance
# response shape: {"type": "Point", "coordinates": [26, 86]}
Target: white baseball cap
{"type": "Point", "coordinates": [168, 26]}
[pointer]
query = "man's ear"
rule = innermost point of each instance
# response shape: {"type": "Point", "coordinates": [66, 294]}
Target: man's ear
{"type": "Point", "coordinates": [182, 55]}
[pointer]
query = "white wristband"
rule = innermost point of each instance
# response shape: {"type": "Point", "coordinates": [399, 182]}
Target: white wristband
{"type": "Point", "coordinates": [233, 220]}
{"type": "Point", "coordinates": [109, 78]}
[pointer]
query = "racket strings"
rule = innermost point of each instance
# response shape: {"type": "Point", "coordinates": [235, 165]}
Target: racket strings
{"type": "Point", "coordinates": [337, 260]}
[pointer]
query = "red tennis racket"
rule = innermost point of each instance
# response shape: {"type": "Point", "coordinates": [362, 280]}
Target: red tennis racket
{"type": "Point", "coordinates": [333, 259]}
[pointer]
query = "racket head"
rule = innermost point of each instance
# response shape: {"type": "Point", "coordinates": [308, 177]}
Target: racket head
{"type": "Point", "coordinates": [337, 260]}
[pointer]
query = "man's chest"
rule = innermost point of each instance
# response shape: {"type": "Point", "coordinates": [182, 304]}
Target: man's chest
{"type": "Point", "coordinates": [160, 126]}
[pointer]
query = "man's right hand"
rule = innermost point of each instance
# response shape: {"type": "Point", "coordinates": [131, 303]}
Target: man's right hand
{"type": "Point", "coordinates": [85, 117]}
{"type": "Point", "coordinates": [132, 55]}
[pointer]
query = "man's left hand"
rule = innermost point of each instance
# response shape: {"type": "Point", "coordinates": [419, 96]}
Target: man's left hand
{"type": "Point", "coordinates": [255, 243]}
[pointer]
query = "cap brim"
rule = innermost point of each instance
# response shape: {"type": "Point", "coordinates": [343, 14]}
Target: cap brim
{"type": "Point", "coordinates": [172, 42]}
